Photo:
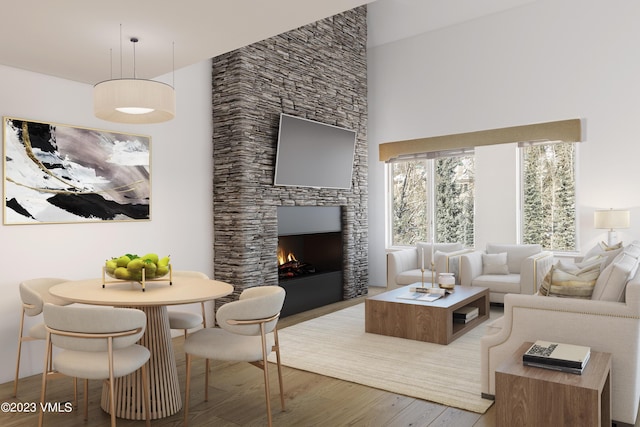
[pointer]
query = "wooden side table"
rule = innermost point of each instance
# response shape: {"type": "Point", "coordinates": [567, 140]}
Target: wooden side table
{"type": "Point", "coordinates": [530, 396]}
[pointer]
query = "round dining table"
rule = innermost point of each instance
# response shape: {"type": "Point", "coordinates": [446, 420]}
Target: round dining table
{"type": "Point", "coordinates": [164, 386]}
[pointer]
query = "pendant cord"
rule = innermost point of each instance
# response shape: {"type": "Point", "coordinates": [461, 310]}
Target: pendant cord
{"type": "Point", "coordinates": [173, 64]}
{"type": "Point", "coordinates": [121, 51]}
{"type": "Point", "coordinates": [134, 40]}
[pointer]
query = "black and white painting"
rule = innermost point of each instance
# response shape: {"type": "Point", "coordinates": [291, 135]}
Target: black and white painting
{"type": "Point", "coordinates": [57, 173]}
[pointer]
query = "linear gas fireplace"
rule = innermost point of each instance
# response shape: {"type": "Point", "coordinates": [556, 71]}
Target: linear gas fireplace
{"type": "Point", "coordinates": [310, 256]}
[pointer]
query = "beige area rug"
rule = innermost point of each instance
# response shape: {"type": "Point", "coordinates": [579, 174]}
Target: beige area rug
{"type": "Point", "coordinates": [336, 345]}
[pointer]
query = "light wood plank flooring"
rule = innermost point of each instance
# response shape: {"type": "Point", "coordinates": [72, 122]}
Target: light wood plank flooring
{"type": "Point", "coordinates": [236, 398]}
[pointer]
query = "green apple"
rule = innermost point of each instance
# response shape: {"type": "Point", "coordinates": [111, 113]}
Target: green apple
{"type": "Point", "coordinates": [122, 273]}
{"type": "Point", "coordinates": [111, 265]}
{"type": "Point", "coordinates": [135, 264]}
{"type": "Point", "coordinates": [151, 257]}
{"type": "Point", "coordinates": [123, 261]}
{"type": "Point", "coordinates": [150, 269]}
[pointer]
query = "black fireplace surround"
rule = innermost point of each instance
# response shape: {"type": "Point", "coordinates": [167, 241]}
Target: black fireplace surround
{"type": "Point", "coordinates": [310, 254]}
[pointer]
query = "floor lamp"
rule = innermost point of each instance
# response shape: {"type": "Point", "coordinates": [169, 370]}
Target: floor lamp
{"type": "Point", "coordinates": [612, 219]}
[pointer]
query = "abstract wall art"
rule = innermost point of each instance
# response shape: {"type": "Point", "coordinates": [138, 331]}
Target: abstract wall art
{"type": "Point", "coordinates": [56, 173]}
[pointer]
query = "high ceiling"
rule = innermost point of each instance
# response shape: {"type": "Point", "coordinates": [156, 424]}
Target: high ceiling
{"type": "Point", "coordinates": [85, 40]}
{"type": "Point", "coordinates": [80, 39]}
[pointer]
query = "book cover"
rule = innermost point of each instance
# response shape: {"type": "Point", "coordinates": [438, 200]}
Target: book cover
{"type": "Point", "coordinates": [466, 312]}
{"type": "Point", "coordinates": [465, 319]}
{"type": "Point", "coordinates": [557, 354]}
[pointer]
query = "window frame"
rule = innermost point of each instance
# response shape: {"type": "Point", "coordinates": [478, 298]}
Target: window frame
{"type": "Point", "coordinates": [430, 158]}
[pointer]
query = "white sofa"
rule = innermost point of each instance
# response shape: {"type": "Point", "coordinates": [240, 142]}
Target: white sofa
{"type": "Point", "coordinates": [404, 266]}
{"type": "Point", "coordinates": [609, 324]}
{"type": "Point", "coordinates": [519, 272]}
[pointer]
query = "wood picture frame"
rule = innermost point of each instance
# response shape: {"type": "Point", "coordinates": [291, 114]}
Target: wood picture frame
{"type": "Point", "coordinates": [55, 173]}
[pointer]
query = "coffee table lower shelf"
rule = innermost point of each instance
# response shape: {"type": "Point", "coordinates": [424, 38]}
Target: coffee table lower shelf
{"type": "Point", "coordinates": [386, 314]}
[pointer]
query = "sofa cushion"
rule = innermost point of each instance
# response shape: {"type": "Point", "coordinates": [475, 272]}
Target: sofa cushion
{"type": "Point", "coordinates": [442, 247]}
{"type": "Point", "coordinates": [499, 283]}
{"type": "Point", "coordinates": [611, 284]}
{"type": "Point", "coordinates": [515, 254]}
{"type": "Point", "coordinates": [575, 281]}
{"type": "Point", "coordinates": [495, 263]}
{"type": "Point", "coordinates": [602, 249]}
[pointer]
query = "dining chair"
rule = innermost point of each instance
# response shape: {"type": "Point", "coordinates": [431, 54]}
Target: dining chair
{"type": "Point", "coordinates": [34, 293]}
{"type": "Point", "coordinates": [96, 343]}
{"type": "Point", "coordinates": [186, 320]}
{"type": "Point", "coordinates": [248, 332]}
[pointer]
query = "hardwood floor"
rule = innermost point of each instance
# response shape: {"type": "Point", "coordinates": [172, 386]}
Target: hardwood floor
{"type": "Point", "coordinates": [236, 398]}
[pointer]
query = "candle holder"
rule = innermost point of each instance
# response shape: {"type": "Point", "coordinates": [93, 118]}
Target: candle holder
{"type": "Point", "coordinates": [433, 272]}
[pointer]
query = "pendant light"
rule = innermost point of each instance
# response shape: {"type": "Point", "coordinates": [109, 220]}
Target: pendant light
{"type": "Point", "coordinates": [132, 100]}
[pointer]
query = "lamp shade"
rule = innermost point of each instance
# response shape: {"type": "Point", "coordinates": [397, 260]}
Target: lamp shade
{"type": "Point", "coordinates": [134, 101]}
{"type": "Point", "coordinates": [611, 219]}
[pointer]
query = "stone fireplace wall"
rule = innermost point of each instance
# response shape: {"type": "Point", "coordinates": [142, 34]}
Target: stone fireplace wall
{"type": "Point", "coordinates": [318, 72]}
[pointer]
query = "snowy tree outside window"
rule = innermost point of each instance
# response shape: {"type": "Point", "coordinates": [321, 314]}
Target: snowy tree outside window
{"type": "Point", "coordinates": [432, 192]}
{"type": "Point", "coordinates": [549, 196]}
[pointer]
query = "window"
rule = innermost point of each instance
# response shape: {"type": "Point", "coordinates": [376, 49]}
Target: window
{"type": "Point", "coordinates": [549, 195]}
{"type": "Point", "coordinates": [440, 188]}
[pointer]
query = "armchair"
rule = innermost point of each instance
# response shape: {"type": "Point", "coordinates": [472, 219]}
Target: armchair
{"type": "Point", "coordinates": [404, 266]}
{"type": "Point", "coordinates": [506, 269]}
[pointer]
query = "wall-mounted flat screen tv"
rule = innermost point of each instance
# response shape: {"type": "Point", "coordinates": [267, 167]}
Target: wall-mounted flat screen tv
{"type": "Point", "coordinates": [313, 154]}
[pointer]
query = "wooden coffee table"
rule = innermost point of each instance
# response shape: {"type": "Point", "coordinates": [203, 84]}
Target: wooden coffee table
{"type": "Point", "coordinates": [386, 314]}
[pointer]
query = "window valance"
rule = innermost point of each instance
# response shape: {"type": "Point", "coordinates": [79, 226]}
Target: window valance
{"type": "Point", "coordinates": [571, 130]}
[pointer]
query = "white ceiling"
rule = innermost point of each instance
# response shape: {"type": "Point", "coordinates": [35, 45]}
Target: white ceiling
{"type": "Point", "coordinates": [76, 39]}
{"type": "Point", "coordinates": [80, 40]}
{"type": "Point", "coordinates": [392, 20]}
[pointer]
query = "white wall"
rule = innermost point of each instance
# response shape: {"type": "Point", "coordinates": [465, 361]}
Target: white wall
{"type": "Point", "coordinates": [181, 207]}
{"type": "Point", "coordinates": [547, 60]}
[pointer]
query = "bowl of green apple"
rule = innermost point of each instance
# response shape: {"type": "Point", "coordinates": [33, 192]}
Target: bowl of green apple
{"type": "Point", "coordinates": [131, 267]}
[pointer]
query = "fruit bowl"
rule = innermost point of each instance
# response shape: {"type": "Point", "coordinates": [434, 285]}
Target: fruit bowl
{"type": "Point", "coordinates": [130, 267]}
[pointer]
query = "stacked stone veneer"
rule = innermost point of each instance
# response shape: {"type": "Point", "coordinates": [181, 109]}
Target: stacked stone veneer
{"type": "Point", "coordinates": [318, 72]}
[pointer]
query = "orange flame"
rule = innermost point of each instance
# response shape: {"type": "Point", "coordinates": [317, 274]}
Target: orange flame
{"type": "Point", "coordinates": [282, 258]}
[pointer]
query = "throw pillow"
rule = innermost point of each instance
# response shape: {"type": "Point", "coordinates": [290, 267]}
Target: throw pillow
{"type": "Point", "coordinates": [495, 263]}
{"type": "Point", "coordinates": [612, 282]}
{"type": "Point", "coordinates": [571, 281]}
{"type": "Point", "coordinates": [602, 249]}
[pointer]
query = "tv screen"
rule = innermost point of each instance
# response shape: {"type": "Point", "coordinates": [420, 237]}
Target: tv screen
{"type": "Point", "coordinates": [313, 154]}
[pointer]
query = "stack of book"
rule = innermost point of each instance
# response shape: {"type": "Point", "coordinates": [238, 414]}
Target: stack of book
{"type": "Point", "coordinates": [557, 356]}
{"type": "Point", "coordinates": [465, 314]}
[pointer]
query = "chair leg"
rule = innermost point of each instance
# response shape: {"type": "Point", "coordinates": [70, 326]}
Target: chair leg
{"type": "Point", "coordinates": [112, 394]}
{"type": "Point", "coordinates": [187, 390]}
{"type": "Point", "coordinates": [45, 373]}
{"type": "Point", "coordinates": [86, 399]}
{"type": "Point", "coordinates": [15, 382]}
{"type": "Point", "coordinates": [145, 396]}
{"type": "Point", "coordinates": [265, 369]}
{"type": "Point", "coordinates": [206, 379]}
{"type": "Point", "coordinates": [75, 392]}
{"type": "Point", "coordinates": [204, 317]}
{"type": "Point", "coordinates": [277, 351]}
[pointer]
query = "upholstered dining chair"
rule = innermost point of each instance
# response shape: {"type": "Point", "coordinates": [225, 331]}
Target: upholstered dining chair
{"type": "Point", "coordinates": [248, 333]}
{"type": "Point", "coordinates": [185, 320]}
{"type": "Point", "coordinates": [97, 343]}
{"type": "Point", "coordinates": [34, 293]}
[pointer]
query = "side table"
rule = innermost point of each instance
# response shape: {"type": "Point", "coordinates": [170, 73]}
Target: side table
{"type": "Point", "coordinates": [530, 396]}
